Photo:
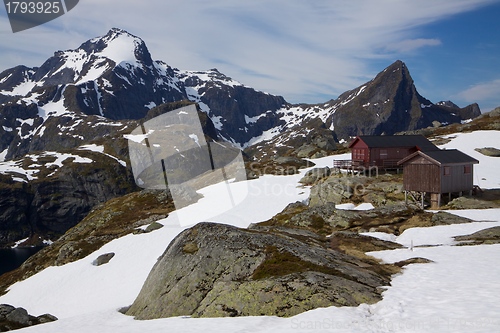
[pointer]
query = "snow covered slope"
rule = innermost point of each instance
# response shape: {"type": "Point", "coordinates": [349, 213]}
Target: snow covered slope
{"type": "Point", "coordinates": [457, 293]}
{"type": "Point", "coordinates": [486, 173]}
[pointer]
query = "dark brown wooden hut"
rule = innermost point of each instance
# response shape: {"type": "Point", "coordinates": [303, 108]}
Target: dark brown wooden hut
{"type": "Point", "coordinates": [437, 172]}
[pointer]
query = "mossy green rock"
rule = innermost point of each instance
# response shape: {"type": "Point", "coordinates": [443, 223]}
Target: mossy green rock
{"type": "Point", "coordinates": [216, 270]}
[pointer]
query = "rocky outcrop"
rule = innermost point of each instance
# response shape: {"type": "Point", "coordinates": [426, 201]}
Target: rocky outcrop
{"type": "Point", "coordinates": [489, 151]}
{"type": "Point", "coordinates": [215, 270]}
{"type": "Point", "coordinates": [337, 188]}
{"type": "Point", "coordinates": [57, 197]}
{"type": "Point", "coordinates": [394, 218]}
{"type": "Point", "coordinates": [314, 175]}
{"type": "Point", "coordinates": [12, 318]}
{"type": "Point", "coordinates": [486, 236]}
{"type": "Point", "coordinates": [483, 199]}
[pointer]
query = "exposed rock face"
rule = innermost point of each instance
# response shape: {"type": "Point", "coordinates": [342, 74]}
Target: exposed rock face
{"type": "Point", "coordinates": [58, 198]}
{"type": "Point", "coordinates": [244, 114]}
{"type": "Point", "coordinates": [389, 104]}
{"type": "Point", "coordinates": [214, 270]}
{"type": "Point", "coordinates": [312, 176]}
{"type": "Point", "coordinates": [489, 151]}
{"type": "Point", "coordinates": [486, 236]}
{"type": "Point", "coordinates": [391, 218]}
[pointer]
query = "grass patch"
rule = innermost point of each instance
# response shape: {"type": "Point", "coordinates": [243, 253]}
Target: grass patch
{"type": "Point", "coordinates": [190, 248]}
{"type": "Point", "coordinates": [281, 263]}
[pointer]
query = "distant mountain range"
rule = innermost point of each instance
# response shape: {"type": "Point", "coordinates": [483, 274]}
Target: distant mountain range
{"type": "Point", "coordinates": [62, 149]}
{"type": "Point", "coordinates": [115, 77]}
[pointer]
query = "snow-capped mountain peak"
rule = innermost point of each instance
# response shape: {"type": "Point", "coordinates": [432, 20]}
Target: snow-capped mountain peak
{"type": "Point", "coordinates": [94, 58]}
{"type": "Point", "coordinates": [119, 46]}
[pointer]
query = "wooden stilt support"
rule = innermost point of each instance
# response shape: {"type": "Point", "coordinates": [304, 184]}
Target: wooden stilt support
{"type": "Point", "coordinates": [435, 200]}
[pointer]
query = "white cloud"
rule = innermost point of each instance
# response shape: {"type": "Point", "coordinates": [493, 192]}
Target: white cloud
{"type": "Point", "coordinates": [410, 45]}
{"type": "Point", "coordinates": [482, 91]}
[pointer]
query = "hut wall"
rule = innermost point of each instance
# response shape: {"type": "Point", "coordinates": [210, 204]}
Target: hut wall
{"type": "Point", "coordinates": [457, 180]}
{"type": "Point", "coordinates": [360, 152]}
{"type": "Point", "coordinates": [421, 176]}
{"type": "Point", "coordinates": [380, 156]}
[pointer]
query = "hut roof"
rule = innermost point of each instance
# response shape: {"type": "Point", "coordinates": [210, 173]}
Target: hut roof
{"type": "Point", "coordinates": [393, 141]}
{"type": "Point", "coordinates": [442, 157]}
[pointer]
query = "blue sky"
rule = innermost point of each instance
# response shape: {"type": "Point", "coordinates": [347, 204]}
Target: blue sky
{"type": "Point", "coordinates": [306, 51]}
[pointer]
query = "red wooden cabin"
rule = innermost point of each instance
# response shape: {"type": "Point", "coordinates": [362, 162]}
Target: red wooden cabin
{"type": "Point", "coordinates": [386, 151]}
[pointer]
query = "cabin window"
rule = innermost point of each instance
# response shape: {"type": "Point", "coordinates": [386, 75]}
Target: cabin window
{"type": "Point", "coordinates": [467, 169]}
{"type": "Point", "coordinates": [359, 154]}
{"type": "Point", "coordinates": [446, 171]}
{"type": "Point", "coordinates": [383, 154]}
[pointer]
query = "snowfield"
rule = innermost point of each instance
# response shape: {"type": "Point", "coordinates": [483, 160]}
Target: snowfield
{"type": "Point", "coordinates": [458, 292]}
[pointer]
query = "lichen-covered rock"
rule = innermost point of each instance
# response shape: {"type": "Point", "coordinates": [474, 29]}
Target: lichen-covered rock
{"type": "Point", "coordinates": [214, 270]}
{"type": "Point", "coordinates": [312, 176]}
{"type": "Point", "coordinates": [335, 190]}
{"type": "Point", "coordinates": [486, 236]}
{"type": "Point", "coordinates": [445, 218]}
{"type": "Point", "coordinates": [471, 203]}
{"type": "Point", "coordinates": [489, 151]}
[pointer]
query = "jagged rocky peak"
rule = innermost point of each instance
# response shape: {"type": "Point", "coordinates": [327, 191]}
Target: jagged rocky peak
{"type": "Point", "coordinates": [94, 58]}
{"type": "Point", "coordinates": [390, 103]}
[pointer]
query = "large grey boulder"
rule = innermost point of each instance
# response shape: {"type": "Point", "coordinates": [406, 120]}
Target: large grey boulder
{"type": "Point", "coordinates": [19, 316]}
{"type": "Point", "coordinates": [215, 270]}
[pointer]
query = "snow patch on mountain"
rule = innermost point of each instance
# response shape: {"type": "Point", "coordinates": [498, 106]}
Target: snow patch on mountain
{"type": "Point", "coordinates": [53, 109]}
{"type": "Point", "coordinates": [121, 48]}
{"type": "Point", "coordinates": [20, 90]}
{"type": "Point", "coordinates": [100, 149]}
{"type": "Point", "coordinates": [27, 169]}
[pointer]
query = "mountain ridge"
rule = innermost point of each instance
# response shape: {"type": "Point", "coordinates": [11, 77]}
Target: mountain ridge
{"type": "Point", "coordinates": [114, 76]}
